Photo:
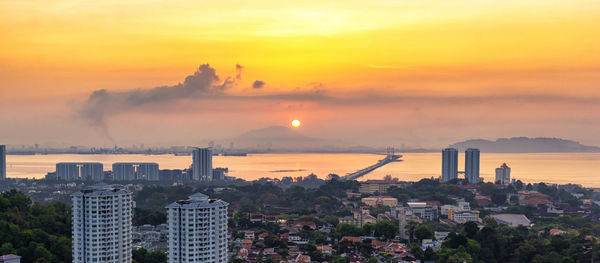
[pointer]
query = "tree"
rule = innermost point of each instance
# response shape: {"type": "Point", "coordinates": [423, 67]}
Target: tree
{"type": "Point", "coordinates": [499, 198]}
{"type": "Point", "coordinates": [386, 229]}
{"type": "Point", "coordinates": [423, 232]}
{"type": "Point", "coordinates": [470, 229]}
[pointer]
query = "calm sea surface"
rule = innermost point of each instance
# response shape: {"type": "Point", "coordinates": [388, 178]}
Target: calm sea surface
{"type": "Point", "coordinates": [578, 168]}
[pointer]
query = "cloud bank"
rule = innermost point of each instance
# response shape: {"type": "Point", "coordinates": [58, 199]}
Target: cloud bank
{"type": "Point", "coordinates": [203, 83]}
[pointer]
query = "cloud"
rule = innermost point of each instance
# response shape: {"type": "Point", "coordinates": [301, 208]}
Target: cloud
{"type": "Point", "coordinates": [203, 83]}
{"type": "Point", "coordinates": [258, 84]}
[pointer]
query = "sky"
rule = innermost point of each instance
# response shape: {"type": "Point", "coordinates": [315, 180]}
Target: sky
{"type": "Point", "coordinates": [422, 73]}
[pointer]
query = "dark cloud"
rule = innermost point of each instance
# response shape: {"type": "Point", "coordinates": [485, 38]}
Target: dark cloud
{"type": "Point", "coordinates": [203, 83]}
{"type": "Point", "coordinates": [258, 84]}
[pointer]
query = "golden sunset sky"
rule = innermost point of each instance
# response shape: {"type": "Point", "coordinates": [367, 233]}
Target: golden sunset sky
{"type": "Point", "coordinates": [425, 73]}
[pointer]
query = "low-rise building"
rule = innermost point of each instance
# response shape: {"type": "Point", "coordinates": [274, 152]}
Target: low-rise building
{"type": "Point", "coordinates": [375, 201]}
{"type": "Point", "coordinates": [423, 210]}
{"type": "Point", "coordinates": [512, 219]}
{"type": "Point", "coordinates": [10, 258]}
{"type": "Point", "coordinates": [378, 186]}
{"type": "Point", "coordinates": [463, 216]}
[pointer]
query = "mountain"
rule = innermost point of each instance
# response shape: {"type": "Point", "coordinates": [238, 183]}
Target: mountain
{"type": "Point", "coordinates": [525, 145]}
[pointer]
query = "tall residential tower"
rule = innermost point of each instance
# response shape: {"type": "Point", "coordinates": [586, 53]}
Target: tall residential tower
{"type": "Point", "coordinates": [472, 165]}
{"type": "Point", "coordinates": [202, 164]}
{"type": "Point", "coordinates": [101, 230]}
{"type": "Point", "coordinates": [135, 171]}
{"type": "Point", "coordinates": [2, 162]}
{"type": "Point", "coordinates": [503, 174]}
{"type": "Point", "coordinates": [197, 230]}
{"type": "Point", "coordinates": [449, 164]}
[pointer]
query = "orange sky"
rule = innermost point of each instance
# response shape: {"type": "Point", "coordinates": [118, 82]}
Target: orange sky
{"type": "Point", "coordinates": [532, 62]}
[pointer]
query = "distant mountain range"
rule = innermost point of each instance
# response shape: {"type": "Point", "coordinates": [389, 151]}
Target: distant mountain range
{"type": "Point", "coordinates": [525, 145]}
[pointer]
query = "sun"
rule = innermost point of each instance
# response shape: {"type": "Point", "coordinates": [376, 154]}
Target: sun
{"type": "Point", "coordinates": [296, 123]}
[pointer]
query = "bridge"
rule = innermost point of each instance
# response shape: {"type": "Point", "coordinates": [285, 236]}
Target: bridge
{"type": "Point", "coordinates": [390, 157]}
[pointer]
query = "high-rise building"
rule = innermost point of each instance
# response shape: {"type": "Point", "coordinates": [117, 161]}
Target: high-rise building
{"type": "Point", "coordinates": [135, 171]}
{"type": "Point", "coordinates": [2, 162]}
{"type": "Point", "coordinates": [102, 229]}
{"type": "Point", "coordinates": [503, 174]}
{"type": "Point", "coordinates": [202, 164]}
{"type": "Point", "coordinates": [472, 165]}
{"type": "Point", "coordinates": [79, 171]}
{"type": "Point", "coordinates": [449, 164]}
{"type": "Point", "coordinates": [197, 230]}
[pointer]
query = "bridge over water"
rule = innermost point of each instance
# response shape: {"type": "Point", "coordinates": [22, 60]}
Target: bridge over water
{"type": "Point", "coordinates": [388, 159]}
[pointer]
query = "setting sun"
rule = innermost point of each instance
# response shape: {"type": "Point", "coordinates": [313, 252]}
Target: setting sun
{"type": "Point", "coordinates": [296, 123]}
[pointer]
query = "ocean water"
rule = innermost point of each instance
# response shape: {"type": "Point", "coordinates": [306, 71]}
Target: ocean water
{"type": "Point", "coordinates": [561, 168]}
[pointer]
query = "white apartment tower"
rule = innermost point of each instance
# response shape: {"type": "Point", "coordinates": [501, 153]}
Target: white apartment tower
{"type": "Point", "coordinates": [135, 171]}
{"type": "Point", "coordinates": [2, 162]}
{"type": "Point", "coordinates": [503, 174]}
{"type": "Point", "coordinates": [79, 171]}
{"type": "Point", "coordinates": [449, 164]}
{"type": "Point", "coordinates": [197, 230]}
{"type": "Point", "coordinates": [202, 164]}
{"type": "Point", "coordinates": [472, 165]}
{"type": "Point", "coordinates": [102, 225]}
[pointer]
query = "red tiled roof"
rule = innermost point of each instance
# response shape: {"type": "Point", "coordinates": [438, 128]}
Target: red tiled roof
{"type": "Point", "coordinates": [352, 239]}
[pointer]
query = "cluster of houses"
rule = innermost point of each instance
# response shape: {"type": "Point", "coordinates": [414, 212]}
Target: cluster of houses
{"type": "Point", "coordinates": [150, 237]}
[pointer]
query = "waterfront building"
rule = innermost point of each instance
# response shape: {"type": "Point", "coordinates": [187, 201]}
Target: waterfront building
{"type": "Point", "coordinates": [202, 164]}
{"type": "Point", "coordinates": [135, 171]}
{"type": "Point", "coordinates": [197, 230]}
{"type": "Point", "coordinates": [503, 174]}
{"type": "Point", "coordinates": [79, 171]}
{"type": "Point", "coordinates": [449, 164]}
{"type": "Point", "coordinates": [472, 165]}
{"type": "Point", "coordinates": [102, 228]}
{"type": "Point", "coordinates": [2, 162]}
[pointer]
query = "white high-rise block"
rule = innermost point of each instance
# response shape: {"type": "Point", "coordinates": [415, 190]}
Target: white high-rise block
{"type": "Point", "coordinates": [197, 230]}
{"type": "Point", "coordinates": [102, 225]}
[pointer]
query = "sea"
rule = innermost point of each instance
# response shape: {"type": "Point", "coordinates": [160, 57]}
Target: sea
{"type": "Point", "coordinates": [558, 168]}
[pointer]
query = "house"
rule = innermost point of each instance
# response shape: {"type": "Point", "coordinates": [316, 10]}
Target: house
{"type": "Point", "coordinates": [10, 258]}
{"type": "Point", "coordinates": [326, 250]}
{"type": "Point", "coordinates": [247, 242]}
{"type": "Point", "coordinates": [347, 220]}
{"type": "Point", "coordinates": [512, 219]}
{"type": "Point", "coordinates": [256, 218]}
{"type": "Point", "coordinates": [271, 219]}
{"type": "Point", "coordinates": [301, 224]}
{"type": "Point", "coordinates": [351, 195]}
{"type": "Point", "coordinates": [483, 200]}
{"type": "Point", "coordinates": [263, 236]}
{"type": "Point", "coordinates": [555, 232]}
{"type": "Point", "coordinates": [351, 239]}
{"type": "Point", "coordinates": [249, 234]}
{"type": "Point", "coordinates": [302, 259]}
{"type": "Point", "coordinates": [242, 255]}
{"type": "Point", "coordinates": [385, 217]}
{"type": "Point", "coordinates": [533, 198]}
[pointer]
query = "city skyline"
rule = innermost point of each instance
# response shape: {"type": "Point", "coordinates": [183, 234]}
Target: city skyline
{"type": "Point", "coordinates": [464, 67]}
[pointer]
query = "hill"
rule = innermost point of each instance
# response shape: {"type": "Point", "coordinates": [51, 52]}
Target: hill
{"type": "Point", "coordinates": [525, 145]}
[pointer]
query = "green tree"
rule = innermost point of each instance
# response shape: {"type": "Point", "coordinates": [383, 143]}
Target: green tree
{"type": "Point", "coordinates": [423, 231]}
{"type": "Point", "coordinates": [386, 229]}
